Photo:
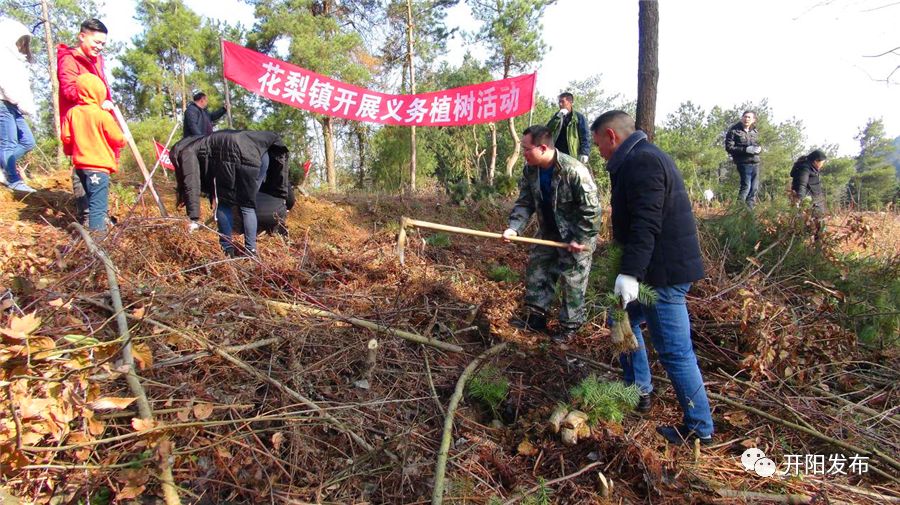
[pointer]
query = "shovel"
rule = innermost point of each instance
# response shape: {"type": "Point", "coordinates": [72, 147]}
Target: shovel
{"type": "Point", "coordinates": [405, 222]}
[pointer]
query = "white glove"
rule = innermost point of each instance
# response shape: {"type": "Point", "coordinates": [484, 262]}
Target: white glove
{"type": "Point", "coordinates": [107, 105]}
{"type": "Point", "coordinates": [509, 233]}
{"type": "Point", "coordinates": [627, 288]}
{"type": "Point", "coordinates": [583, 159]}
{"type": "Point", "coordinates": [753, 149]}
{"type": "Point", "coordinates": [562, 112]}
{"type": "Point", "coordinates": [194, 226]}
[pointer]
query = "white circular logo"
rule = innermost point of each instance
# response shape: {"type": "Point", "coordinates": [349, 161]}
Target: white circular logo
{"type": "Point", "coordinates": [764, 467]}
{"type": "Point", "coordinates": [750, 457]}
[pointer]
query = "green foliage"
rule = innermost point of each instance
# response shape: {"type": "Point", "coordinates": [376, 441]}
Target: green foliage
{"type": "Point", "coordinates": [543, 496]}
{"type": "Point", "coordinates": [695, 140]}
{"type": "Point", "coordinates": [489, 387]}
{"type": "Point", "coordinates": [503, 273]}
{"type": "Point", "coordinates": [875, 183]}
{"type": "Point", "coordinates": [144, 133]}
{"type": "Point", "coordinates": [775, 235]}
{"type": "Point", "coordinates": [122, 196]}
{"type": "Point", "coordinates": [607, 401]}
{"type": "Point", "coordinates": [177, 52]}
{"type": "Point", "coordinates": [505, 185]}
{"type": "Point", "coordinates": [439, 240]}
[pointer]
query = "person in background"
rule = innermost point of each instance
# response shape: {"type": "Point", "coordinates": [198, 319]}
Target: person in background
{"type": "Point", "coordinates": [806, 184]}
{"type": "Point", "coordinates": [16, 101]}
{"type": "Point", "coordinates": [570, 131]}
{"type": "Point", "coordinates": [742, 144]}
{"type": "Point", "coordinates": [91, 136]}
{"type": "Point", "coordinates": [653, 222]}
{"type": "Point", "coordinates": [197, 119]}
{"type": "Point", "coordinates": [71, 62]}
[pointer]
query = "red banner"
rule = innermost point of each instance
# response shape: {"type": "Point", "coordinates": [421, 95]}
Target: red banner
{"type": "Point", "coordinates": [162, 154]}
{"type": "Point", "coordinates": [291, 85]}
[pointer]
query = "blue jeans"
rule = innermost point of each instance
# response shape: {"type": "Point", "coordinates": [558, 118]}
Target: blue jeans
{"type": "Point", "coordinates": [263, 169]}
{"type": "Point", "coordinates": [15, 140]}
{"type": "Point", "coordinates": [670, 332]}
{"type": "Point", "coordinates": [226, 227]}
{"type": "Point", "coordinates": [749, 183]}
{"type": "Point", "coordinates": [96, 191]}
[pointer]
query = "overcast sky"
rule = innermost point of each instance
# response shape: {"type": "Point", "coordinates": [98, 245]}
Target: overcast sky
{"type": "Point", "coordinates": [805, 56]}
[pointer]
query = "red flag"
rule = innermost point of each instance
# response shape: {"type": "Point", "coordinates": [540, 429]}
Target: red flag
{"type": "Point", "coordinates": [162, 154]}
{"type": "Point", "coordinates": [298, 87]}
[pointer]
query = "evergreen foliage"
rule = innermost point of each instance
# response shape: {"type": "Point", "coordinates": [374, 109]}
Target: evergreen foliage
{"type": "Point", "coordinates": [604, 401]}
{"type": "Point", "coordinates": [488, 387]}
{"type": "Point", "coordinates": [503, 273]}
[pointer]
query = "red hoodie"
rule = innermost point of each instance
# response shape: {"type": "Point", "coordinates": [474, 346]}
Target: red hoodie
{"type": "Point", "coordinates": [70, 63]}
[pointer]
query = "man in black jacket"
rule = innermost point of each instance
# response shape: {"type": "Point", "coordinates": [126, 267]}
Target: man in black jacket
{"type": "Point", "coordinates": [653, 222]}
{"type": "Point", "coordinates": [197, 119]}
{"type": "Point", "coordinates": [228, 165]}
{"type": "Point", "coordinates": [742, 143]}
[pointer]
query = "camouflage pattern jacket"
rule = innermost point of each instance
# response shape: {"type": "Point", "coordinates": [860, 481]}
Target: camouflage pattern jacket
{"type": "Point", "coordinates": [576, 201]}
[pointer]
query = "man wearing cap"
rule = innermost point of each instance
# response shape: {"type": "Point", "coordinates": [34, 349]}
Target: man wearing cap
{"type": "Point", "coordinates": [197, 119]}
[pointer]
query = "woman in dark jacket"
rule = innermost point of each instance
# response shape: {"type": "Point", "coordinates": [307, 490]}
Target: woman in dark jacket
{"type": "Point", "coordinates": [805, 183]}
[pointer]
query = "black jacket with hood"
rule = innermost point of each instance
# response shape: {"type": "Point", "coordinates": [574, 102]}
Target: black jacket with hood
{"type": "Point", "coordinates": [226, 165]}
{"type": "Point", "coordinates": [805, 182]}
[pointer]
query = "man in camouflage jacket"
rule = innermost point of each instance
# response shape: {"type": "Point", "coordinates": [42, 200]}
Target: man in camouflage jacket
{"type": "Point", "coordinates": [562, 192]}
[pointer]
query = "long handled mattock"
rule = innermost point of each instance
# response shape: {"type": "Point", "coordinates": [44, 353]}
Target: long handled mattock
{"type": "Point", "coordinates": [405, 222]}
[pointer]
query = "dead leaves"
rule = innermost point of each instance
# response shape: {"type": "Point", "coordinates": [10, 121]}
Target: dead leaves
{"type": "Point", "coordinates": [111, 403]}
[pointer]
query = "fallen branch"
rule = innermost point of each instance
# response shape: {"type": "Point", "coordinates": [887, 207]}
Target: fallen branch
{"type": "Point", "coordinates": [170, 491]}
{"type": "Point", "coordinates": [537, 487]}
{"type": "Point", "coordinates": [437, 496]}
{"type": "Point", "coordinates": [314, 312]}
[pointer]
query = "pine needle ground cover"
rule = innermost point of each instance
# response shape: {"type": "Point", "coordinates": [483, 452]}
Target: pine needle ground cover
{"type": "Point", "coordinates": [235, 430]}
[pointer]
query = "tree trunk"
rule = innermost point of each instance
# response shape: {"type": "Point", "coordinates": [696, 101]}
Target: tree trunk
{"type": "Point", "coordinates": [328, 135]}
{"type": "Point", "coordinates": [54, 78]}
{"type": "Point", "coordinates": [514, 156]}
{"type": "Point", "coordinates": [361, 146]}
{"type": "Point", "coordinates": [648, 67]}
{"type": "Point", "coordinates": [492, 168]}
{"type": "Point", "coordinates": [412, 87]}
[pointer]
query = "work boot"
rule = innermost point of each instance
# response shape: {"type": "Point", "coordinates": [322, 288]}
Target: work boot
{"type": "Point", "coordinates": [681, 435]}
{"type": "Point", "coordinates": [532, 322]}
{"type": "Point", "coordinates": [645, 403]}
{"type": "Point", "coordinates": [564, 335]}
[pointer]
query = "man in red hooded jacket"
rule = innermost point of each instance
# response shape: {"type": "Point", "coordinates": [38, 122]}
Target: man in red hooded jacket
{"type": "Point", "coordinates": [85, 58]}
